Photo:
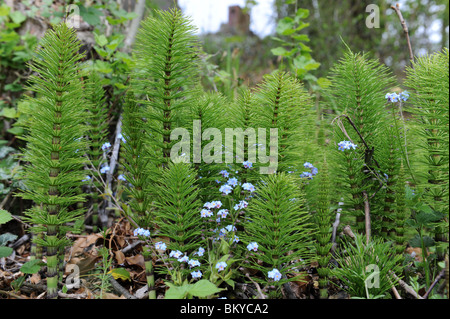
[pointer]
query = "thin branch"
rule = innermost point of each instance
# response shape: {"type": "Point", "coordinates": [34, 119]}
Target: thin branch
{"type": "Point", "coordinates": [117, 287]}
{"type": "Point", "coordinates": [131, 34]}
{"type": "Point", "coordinates": [367, 217]}
{"type": "Point", "coordinates": [396, 8]}
{"type": "Point", "coordinates": [260, 293]}
{"type": "Point", "coordinates": [439, 277]}
{"type": "Point", "coordinates": [405, 286]}
{"type": "Point", "coordinates": [335, 226]}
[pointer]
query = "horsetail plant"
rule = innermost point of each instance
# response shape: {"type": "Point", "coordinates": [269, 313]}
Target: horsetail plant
{"type": "Point", "coordinates": [280, 101]}
{"type": "Point", "coordinates": [323, 220]}
{"type": "Point", "coordinates": [278, 221]}
{"type": "Point", "coordinates": [137, 166]}
{"type": "Point", "coordinates": [54, 168]}
{"type": "Point", "coordinates": [428, 80]}
{"type": "Point", "coordinates": [97, 134]}
{"type": "Point", "coordinates": [166, 57]}
{"type": "Point", "coordinates": [358, 89]}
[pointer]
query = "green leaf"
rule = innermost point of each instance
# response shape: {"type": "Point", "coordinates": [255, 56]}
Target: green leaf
{"type": "Point", "coordinates": [15, 130]}
{"type": "Point", "coordinates": [302, 13]}
{"type": "Point", "coordinates": [32, 266]}
{"type": "Point", "coordinates": [5, 251]}
{"type": "Point", "coordinates": [101, 40]}
{"type": "Point", "coordinates": [4, 10]}
{"type": "Point", "coordinates": [324, 83]}
{"type": "Point", "coordinates": [177, 292]}
{"type": "Point", "coordinates": [120, 273]}
{"type": "Point", "coordinates": [279, 51]}
{"type": "Point", "coordinates": [286, 26]}
{"type": "Point", "coordinates": [304, 63]}
{"type": "Point", "coordinates": [90, 15]}
{"type": "Point", "coordinates": [9, 112]}
{"type": "Point", "coordinates": [4, 216]}
{"type": "Point", "coordinates": [416, 242]}
{"type": "Point", "coordinates": [7, 237]}
{"type": "Point", "coordinates": [203, 288]}
{"type": "Point", "coordinates": [425, 218]}
{"type": "Point", "coordinates": [17, 17]}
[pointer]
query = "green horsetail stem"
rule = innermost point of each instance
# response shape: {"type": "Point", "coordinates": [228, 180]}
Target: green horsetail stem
{"type": "Point", "coordinates": [55, 165]}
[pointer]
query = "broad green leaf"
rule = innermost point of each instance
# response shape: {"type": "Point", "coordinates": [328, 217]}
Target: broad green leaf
{"type": "Point", "coordinates": [5, 251]}
{"type": "Point", "coordinates": [304, 63]}
{"type": "Point", "coordinates": [32, 266]}
{"type": "Point", "coordinates": [101, 52]}
{"type": "Point", "coordinates": [7, 237]}
{"type": "Point", "coordinates": [4, 216]}
{"type": "Point", "coordinates": [416, 242]}
{"type": "Point", "coordinates": [425, 218]}
{"type": "Point", "coordinates": [177, 292]}
{"type": "Point", "coordinates": [203, 288]}
{"type": "Point", "coordinates": [286, 26]}
{"type": "Point", "coordinates": [15, 130]}
{"type": "Point", "coordinates": [113, 45]}
{"type": "Point", "coordinates": [302, 13]}
{"type": "Point", "coordinates": [91, 15]}
{"type": "Point", "coordinates": [279, 51]}
{"type": "Point", "coordinates": [17, 17]}
{"type": "Point", "coordinates": [101, 40]}
{"type": "Point", "coordinates": [8, 112]}
{"type": "Point", "coordinates": [120, 273]}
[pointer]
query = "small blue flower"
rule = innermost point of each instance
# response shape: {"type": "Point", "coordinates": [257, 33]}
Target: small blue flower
{"type": "Point", "coordinates": [232, 182]}
{"type": "Point", "coordinates": [200, 252]}
{"type": "Point", "coordinates": [248, 187]}
{"type": "Point", "coordinates": [141, 232]}
{"type": "Point", "coordinates": [106, 146]}
{"type": "Point", "coordinates": [205, 213]}
{"type": "Point", "coordinates": [175, 254]}
{"type": "Point", "coordinates": [252, 246]}
{"type": "Point", "coordinates": [404, 96]}
{"type": "Point", "coordinates": [183, 259]}
{"type": "Point", "coordinates": [235, 239]}
{"type": "Point", "coordinates": [392, 97]}
{"type": "Point", "coordinates": [88, 178]}
{"type": "Point", "coordinates": [314, 171]}
{"type": "Point", "coordinates": [224, 173]}
{"type": "Point", "coordinates": [222, 213]}
{"type": "Point", "coordinates": [274, 274]}
{"type": "Point", "coordinates": [225, 189]}
{"type": "Point", "coordinates": [231, 228]}
{"type": "Point", "coordinates": [161, 246]}
{"type": "Point", "coordinates": [242, 204]}
{"type": "Point", "coordinates": [247, 164]}
{"type": "Point", "coordinates": [121, 177]}
{"type": "Point", "coordinates": [308, 165]}
{"type": "Point", "coordinates": [105, 169]}
{"type": "Point", "coordinates": [120, 136]}
{"type": "Point", "coordinates": [306, 175]}
{"type": "Point", "coordinates": [196, 274]}
{"type": "Point", "coordinates": [346, 145]}
{"type": "Point", "coordinates": [221, 266]}
{"type": "Point", "coordinates": [193, 263]}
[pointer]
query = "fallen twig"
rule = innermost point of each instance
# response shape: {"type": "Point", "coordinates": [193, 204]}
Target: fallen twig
{"type": "Point", "coordinates": [439, 277]}
{"type": "Point", "coordinates": [405, 286]}
{"type": "Point", "coordinates": [117, 287]}
{"type": "Point", "coordinates": [72, 296]}
{"type": "Point", "coordinates": [260, 293]}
